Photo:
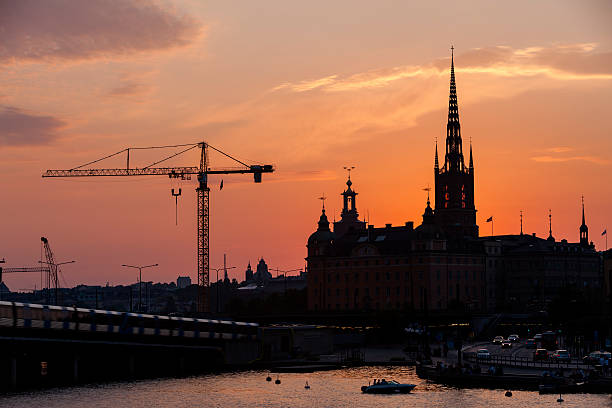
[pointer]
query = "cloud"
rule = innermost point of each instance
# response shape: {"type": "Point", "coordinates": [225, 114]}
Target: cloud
{"type": "Point", "coordinates": [20, 128]}
{"type": "Point", "coordinates": [66, 30]}
{"type": "Point", "coordinates": [559, 149]}
{"type": "Point", "coordinates": [555, 159]}
{"type": "Point", "coordinates": [562, 62]}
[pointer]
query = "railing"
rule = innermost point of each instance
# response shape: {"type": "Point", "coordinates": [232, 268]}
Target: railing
{"type": "Point", "coordinates": [523, 362]}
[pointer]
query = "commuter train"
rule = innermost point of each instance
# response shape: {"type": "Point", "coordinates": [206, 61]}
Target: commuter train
{"type": "Point", "coordinates": [36, 316]}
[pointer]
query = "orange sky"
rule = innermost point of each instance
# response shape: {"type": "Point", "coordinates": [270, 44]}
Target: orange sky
{"type": "Point", "coordinates": [309, 87]}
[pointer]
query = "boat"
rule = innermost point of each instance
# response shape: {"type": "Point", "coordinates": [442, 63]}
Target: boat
{"type": "Point", "coordinates": [387, 387]}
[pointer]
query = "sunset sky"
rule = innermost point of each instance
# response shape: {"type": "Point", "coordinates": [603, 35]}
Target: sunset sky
{"type": "Point", "coordinates": [309, 87]}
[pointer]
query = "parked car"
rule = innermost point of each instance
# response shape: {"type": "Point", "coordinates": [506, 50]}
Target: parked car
{"type": "Point", "coordinates": [513, 338]}
{"type": "Point", "coordinates": [596, 356]}
{"type": "Point", "coordinates": [561, 355]}
{"type": "Point", "coordinates": [540, 354]}
{"type": "Point", "coordinates": [498, 340]}
{"type": "Point", "coordinates": [483, 354]}
{"type": "Point", "coordinates": [506, 344]}
{"type": "Point", "coordinates": [530, 343]}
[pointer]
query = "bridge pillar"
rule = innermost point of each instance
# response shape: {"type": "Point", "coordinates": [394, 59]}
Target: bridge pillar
{"type": "Point", "coordinates": [75, 369]}
{"type": "Point", "coordinates": [132, 366]}
{"type": "Point", "coordinates": [14, 372]}
{"type": "Point", "coordinates": [181, 366]}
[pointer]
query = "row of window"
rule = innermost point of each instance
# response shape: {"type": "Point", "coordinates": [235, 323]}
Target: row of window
{"type": "Point", "coordinates": [387, 276]}
{"type": "Point", "coordinates": [377, 291]}
{"type": "Point", "coordinates": [437, 260]}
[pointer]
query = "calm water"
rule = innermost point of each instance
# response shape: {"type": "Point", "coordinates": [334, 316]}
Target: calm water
{"type": "Point", "coordinates": [339, 388]}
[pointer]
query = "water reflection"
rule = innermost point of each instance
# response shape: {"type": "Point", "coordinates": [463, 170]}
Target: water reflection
{"type": "Point", "coordinates": [337, 388]}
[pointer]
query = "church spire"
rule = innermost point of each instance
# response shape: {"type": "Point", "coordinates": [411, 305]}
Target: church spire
{"type": "Point", "coordinates": [453, 161]}
{"type": "Point", "coordinates": [436, 165]}
{"type": "Point", "coordinates": [584, 230]}
{"type": "Point", "coordinates": [471, 160]}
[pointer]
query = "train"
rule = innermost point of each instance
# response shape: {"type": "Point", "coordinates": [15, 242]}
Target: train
{"type": "Point", "coordinates": [62, 318]}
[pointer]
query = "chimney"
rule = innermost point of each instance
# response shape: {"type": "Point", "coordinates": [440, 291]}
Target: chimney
{"type": "Point", "coordinates": [410, 225]}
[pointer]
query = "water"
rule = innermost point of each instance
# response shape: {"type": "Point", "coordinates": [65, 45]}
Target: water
{"type": "Point", "coordinates": [340, 388]}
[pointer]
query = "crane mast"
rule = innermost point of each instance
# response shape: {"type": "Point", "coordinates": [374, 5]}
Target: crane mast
{"type": "Point", "coordinates": [202, 191]}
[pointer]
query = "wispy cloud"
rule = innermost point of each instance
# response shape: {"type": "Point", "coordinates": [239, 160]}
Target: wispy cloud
{"type": "Point", "coordinates": [562, 62]}
{"type": "Point", "coordinates": [21, 128]}
{"type": "Point", "coordinates": [557, 159]}
{"type": "Point", "coordinates": [65, 30]}
{"type": "Point", "coordinates": [559, 149]}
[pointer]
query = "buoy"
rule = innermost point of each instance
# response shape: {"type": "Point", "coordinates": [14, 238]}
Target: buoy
{"type": "Point", "coordinates": [277, 381]}
{"type": "Point", "coordinates": [307, 386]}
{"type": "Point", "coordinates": [268, 378]}
{"type": "Point", "coordinates": [559, 399]}
{"type": "Point", "coordinates": [508, 393]}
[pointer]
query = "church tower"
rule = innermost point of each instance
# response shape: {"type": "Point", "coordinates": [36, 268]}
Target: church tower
{"type": "Point", "coordinates": [454, 182]}
{"type": "Point", "coordinates": [584, 230]}
{"type": "Point", "coordinates": [349, 220]}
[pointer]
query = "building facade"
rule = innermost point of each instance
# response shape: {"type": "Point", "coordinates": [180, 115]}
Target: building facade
{"type": "Point", "coordinates": [442, 264]}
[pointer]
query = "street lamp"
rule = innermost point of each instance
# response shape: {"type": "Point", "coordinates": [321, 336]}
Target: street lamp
{"type": "Point", "coordinates": [217, 270]}
{"type": "Point", "coordinates": [56, 278]}
{"type": "Point", "coordinates": [140, 268]}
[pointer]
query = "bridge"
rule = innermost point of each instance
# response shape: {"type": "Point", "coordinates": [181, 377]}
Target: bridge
{"type": "Point", "coordinates": [46, 345]}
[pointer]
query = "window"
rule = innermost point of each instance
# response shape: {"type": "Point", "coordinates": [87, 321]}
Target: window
{"type": "Point", "coordinates": [377, 291]}
{"type": "Point", "coordinates": [450, 291]}
{"type": "Point", "coordinates": [438, 289]}
{"type": "Point", "coordinates": [377, 276]}
{"type": "Point", "coordinates": [346, 292]}
{"type": "Point", "coordinates": [388, 291]}
{"type": "Point", "coordinates": [328, 292]}
{"type": "Point", "coordinates": [337, 292]}
{"type": "Point", "coordinates": [438, 274]}
{"type": "Point", "coordinates": [397, 290]}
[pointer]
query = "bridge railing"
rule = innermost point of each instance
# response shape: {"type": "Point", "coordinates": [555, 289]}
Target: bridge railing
{"type": "Point", "coordinates": [36, 316]}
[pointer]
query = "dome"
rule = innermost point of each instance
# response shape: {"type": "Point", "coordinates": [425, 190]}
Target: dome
{"type": "Point", "coordinates": [323, 233]}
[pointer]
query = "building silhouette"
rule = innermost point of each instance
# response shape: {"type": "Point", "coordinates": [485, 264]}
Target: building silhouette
{"type": "Point", "coordinates": [442, 264]}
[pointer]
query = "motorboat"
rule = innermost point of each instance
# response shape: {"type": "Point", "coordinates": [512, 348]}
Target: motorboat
{"type": "Point", "coordinates": [387, 387]}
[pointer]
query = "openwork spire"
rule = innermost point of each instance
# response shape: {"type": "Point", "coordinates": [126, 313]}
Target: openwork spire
{"type": "Point", "coordinates": [453, 107]}
{"type": "Point", "coordinates": [453, 161]}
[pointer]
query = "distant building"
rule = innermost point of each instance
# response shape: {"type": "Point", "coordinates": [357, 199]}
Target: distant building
{"type": "Point", "coordinates": [183, 281]}
{"type": "Point", "coordinates": [248, 274]}
{"type": "Point", "coordinates": [443, 264]}
{"type": "Point", "coordinates": [262, 276]}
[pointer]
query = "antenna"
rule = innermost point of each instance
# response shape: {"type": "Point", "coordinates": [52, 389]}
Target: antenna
{"type": "Point", "coordinates": [521, 222]}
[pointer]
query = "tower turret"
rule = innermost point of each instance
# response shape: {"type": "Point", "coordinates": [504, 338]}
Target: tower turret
{"type": "Point", "coordinates": [349, 220]}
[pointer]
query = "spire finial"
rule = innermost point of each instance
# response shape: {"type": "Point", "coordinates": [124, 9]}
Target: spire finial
{"type": "Point", "coordinates": [323, 198]}
{"type": "Point", "coordinates": [428, 189]}
{"type": "Point", "coordinates": [348, 169]}
{"type": "Point", "coordinates": [583, 223]}
{"type": "Point", "coordinates": [521, 222]}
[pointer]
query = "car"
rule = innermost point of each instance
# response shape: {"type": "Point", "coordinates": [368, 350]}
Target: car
{"type": "Point", "coordinates": [506, 344]}
{"type": "Point", "coordinates": [513, 338]}
{"type": "Point", "coordinates": [561, 355]}
{"type": "Point", "coordinates": [540, 354]}
{"type": "Point", "coordinates": [530, 343]}
{"type": "Point", "coordinates": [483, 354]}
{"type": "Point", "coordinates": [596, 356]}
{"type": "Point", "coordinates": [498, 340]}
{"type": "Point", "coordinates": [538, 337]}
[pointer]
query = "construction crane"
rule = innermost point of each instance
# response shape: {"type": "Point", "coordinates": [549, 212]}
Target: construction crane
{"type": "Point", "coordinates": [202, 171]}
{"type": "Point", "coordinates": [53, 275]}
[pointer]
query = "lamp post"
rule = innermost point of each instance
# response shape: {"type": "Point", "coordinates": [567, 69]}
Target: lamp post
{"type": "Point", "coordinates": [140, 268]}
{"type": "Point", "coordinates": [217, 270]}
{"type": "Point", "coordinates": [56, 278]}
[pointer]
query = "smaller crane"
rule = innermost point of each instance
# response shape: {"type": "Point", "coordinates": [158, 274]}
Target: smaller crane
{"type": "Point", "coordinates": [53, 275]}
{"type": "Point", "coordinates": [20, 270]}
